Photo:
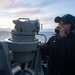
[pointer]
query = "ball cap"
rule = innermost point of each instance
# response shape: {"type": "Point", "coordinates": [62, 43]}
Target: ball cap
{"type": "Point", "coordinates": [67, 19]}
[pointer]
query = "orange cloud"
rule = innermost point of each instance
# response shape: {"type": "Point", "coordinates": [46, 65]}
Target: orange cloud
{"type": "Point", "coordinates": [7, 3]}
{"type": "Point", "coordinates": [4, 4]}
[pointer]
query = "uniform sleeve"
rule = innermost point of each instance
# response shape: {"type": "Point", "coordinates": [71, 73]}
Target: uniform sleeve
{"type": "Point", "coordinates": [44, 50]}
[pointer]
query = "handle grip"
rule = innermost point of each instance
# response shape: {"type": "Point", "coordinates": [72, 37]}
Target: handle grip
{"type": "Point", "coordinates": [27, 19]}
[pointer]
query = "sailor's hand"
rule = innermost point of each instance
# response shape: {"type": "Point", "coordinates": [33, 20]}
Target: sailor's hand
{"type": "Point", "coordinates": [61, 29]}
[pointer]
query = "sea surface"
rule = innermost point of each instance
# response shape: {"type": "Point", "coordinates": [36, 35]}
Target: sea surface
{"type": "Point", "coordinates": [4, 35]}
{"type": "Point", "coordinates": [43, 35]}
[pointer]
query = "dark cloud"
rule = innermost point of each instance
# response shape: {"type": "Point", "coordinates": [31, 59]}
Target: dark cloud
{"type": "Point", "coordinates": [46, 3]}
{"type": "Point", "coordinates": [36, 11]}
{"type": "Point", "coordinates": [24, 4]}
{"type": "Point", "coordinates": [46, 19]}
{"type": "Point", "coordinates": [26, 13]}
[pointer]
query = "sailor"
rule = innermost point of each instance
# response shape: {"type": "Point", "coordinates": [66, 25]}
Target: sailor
{"type": "Point", "coordinates": [61, 47]}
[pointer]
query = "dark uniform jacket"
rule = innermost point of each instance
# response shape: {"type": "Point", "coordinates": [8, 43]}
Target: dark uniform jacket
{"type": "Point", "coordinates": [61, 53]}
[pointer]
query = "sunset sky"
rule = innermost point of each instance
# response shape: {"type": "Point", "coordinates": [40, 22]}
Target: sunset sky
{"type": "Point", "coordinates": [44, 10]}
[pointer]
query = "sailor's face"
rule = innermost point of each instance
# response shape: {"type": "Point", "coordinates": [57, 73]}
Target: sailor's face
{"type": "Point", "coordinates": [65, 26]}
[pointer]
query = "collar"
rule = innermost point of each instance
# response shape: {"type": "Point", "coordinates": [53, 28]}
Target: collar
{"type": "Point", "coordinates": [70, 34]}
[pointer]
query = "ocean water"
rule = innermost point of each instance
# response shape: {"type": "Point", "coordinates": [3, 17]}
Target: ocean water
{"type": "Point", "coordinates": [47, 34]}
{"type": "Point", "coordinates": [4, 35]}
{"type": "Point", "coordinates": [44, 34]}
